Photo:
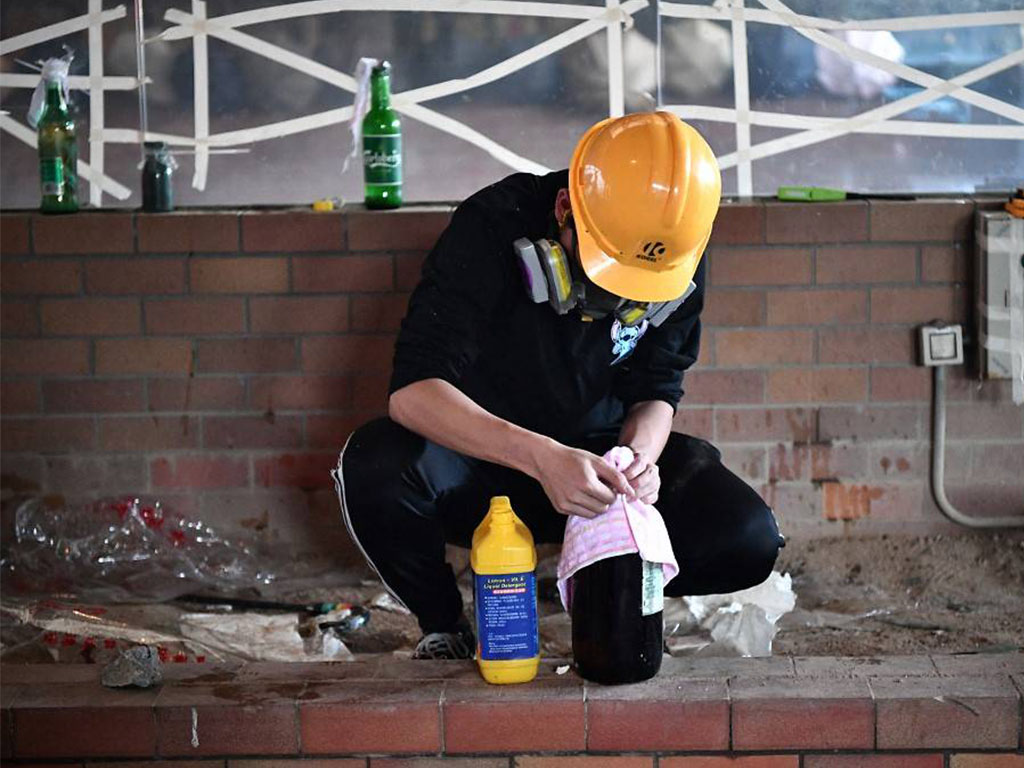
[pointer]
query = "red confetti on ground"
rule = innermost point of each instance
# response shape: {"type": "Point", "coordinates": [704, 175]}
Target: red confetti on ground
{"type": "Point", "coordinates": [122, 507]}
{"type": "Point", "coordinates": [200, 659]}
{"type": "Point", "coordinates": [50, 638]}
{"type": "Point", "coordinates": [69, 640]}
{"type": "Point", "coordinates": [162, 653]}
{"type": "Point", "coordinates": [152, 517]}
{"type": "Point", "coordinates": [178, 538]}
{"type": "Point", "coordinates": [180, 657]}
{"type": "Point", "coordinates": [89, 642]}
{"type": "Point", "coordinates": [110, 643]}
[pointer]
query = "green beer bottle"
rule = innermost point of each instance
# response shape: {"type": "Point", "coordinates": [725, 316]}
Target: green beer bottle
{"type": "Point", "coordinates": [382, 144]}
{"type": "Point", "coordinates": [58, 152]}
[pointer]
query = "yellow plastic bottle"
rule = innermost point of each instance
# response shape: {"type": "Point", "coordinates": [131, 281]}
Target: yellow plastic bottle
{"type": "Point", "coordinates": [504, 563]}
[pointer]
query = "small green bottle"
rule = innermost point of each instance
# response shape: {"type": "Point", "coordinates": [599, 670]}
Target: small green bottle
{"type": "Point", "coordinates": [58, 153]}
{"type": "Point", "coordinates": [382, 144]}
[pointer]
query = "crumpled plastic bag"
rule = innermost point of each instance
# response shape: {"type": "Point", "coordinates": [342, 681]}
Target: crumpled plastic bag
{"type": "Point", "coordinates": [842, 76]}
{"type": "Point", "coordinates": [742, 623]}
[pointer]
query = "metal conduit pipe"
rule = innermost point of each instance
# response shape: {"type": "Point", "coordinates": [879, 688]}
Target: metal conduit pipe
{"type": "Point", "coordinates": [939, 460]}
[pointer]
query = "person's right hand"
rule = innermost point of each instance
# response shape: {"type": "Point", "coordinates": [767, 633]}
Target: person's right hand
{"type": "Point", "coordinates": [578, 482]}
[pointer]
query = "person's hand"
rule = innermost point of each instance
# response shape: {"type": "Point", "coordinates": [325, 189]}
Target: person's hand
{"type": "Point", "coordinates": [643, 476]}
{"type": "Point", "coordinates": [578, 482]}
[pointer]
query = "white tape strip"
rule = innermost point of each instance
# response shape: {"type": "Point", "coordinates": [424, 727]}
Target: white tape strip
{"type": "Point", "coordinates": [876, 115]}
{"type": "Point", "coordinates": [133, 136]}
{"type": "Point", "coordinates": [995, 243]}
{"type": "Point", "coordinates": [741, 90]}
{"type": "Point", "coordinates": [97, 97]}
{"type": "Point", "coordinates": [895, 24]}
{"type": "Point", "coordinates": [992, 312]}
{"type": "Point", "coordinates": [201, 88]}
{"type": "Point", "coordinates": [616, 92]}
{"type": "Point", "coordinates": [76, 82]}
{"type": "Point", "coordinates": [1017, 308]}
{"type": "Point", "coordinates": [894, 127]}
{"type": "Point", "coordinates": [60, 29]}
{"type": "Point", "coordinates": [997, 343]}
{"type": "Point", "coordinates": [26, 135]}
{"type": "Point", "coordinates": [319, 7]}
{"type": "Point", "coordinates": [900, 70]}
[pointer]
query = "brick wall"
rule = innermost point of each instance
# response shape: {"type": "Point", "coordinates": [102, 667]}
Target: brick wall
{"type": "Point", "coordinates": [219, 359]}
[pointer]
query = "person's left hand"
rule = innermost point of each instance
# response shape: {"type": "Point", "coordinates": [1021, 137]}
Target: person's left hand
{"type": "Point", "coordinates": [643, 476]}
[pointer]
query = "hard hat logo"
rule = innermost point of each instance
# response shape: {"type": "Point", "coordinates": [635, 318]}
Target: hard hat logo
{"type": "Point", "coordinates": [652, 251]}
{"type": "Point", "coordinates": [644, 190]}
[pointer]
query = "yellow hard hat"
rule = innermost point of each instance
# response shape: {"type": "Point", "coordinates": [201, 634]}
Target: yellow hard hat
{"type": "Point", "coordinates": [645, 190]}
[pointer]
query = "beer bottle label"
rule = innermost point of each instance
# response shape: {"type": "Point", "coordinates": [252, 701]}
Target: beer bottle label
{"type": "Point", "coordinates": [653, 589]}
{"type": "Point", "coordinates": [506, 615]}
{"type": "Point", "coordinates": [382, 159]}
{"type": "Point", "coordinates": [51, 172]}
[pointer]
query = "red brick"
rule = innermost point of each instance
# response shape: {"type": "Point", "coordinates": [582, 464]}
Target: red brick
{"type": "Point", "coordinates": [90, 232]}
{"type": "Point", "coordinates": [863, 666]}
{"type": "Point", "coordinates": [738, 223]}
{"type": "Point", "coordinates": [698, 422]}
{"type": "Point", "coordinates": [733, 307]}
{"type": "Point", "coordinates": [789, 713]}
{"type": "Point", "coordinates": [233, 432]}
{"type": "Point", "coordinates": [759, 425]}
{"type": "Point", "coordinates": [875, 422]}
{"type": "Point", "coordinates": [745, 460]}
{"type": "Point", "coordinates": [14, 233]}
{"type": "Point", "coordinates": [348, 354]}
{"type": "Point", "coordinates": [91, 317]}
{"type": "Point", "coordinates": [93, 396]}
{"type": "Point", "coordinates": [187, 232]}
{"type": "Point", "coordinates": [288, 393]}
{"type": "Point", "coordinates": [362, 717]}
{"type": "Point", "coordinates": [798, 507]}
{"type": "Point", "coordinates": [944, 264]}
{"type": "Point", "coordinates": [901, 384]}
{"type": "Point", "coordinates": [197, 394]}
{"type": "Point", "coordinates": [722, 761]}
{"type": "Point", "coordinates": [542, 718]}
{"type": "Point", "coordinates": [971, 664]}
{"type": "Point", "coordinates": [998, 462]}
{"type": "Point", "coordinates": [817, 385]}
{"type": "Point", "coordinates": [408, 269]}
{"type": "Point", "coordinates": [986, 760]}
{"type": "Point", "coordinates": [849, 501]}
{"type": "Point", "coordinates": [866, 345]}
{"type": "Point", "coordinates": [816, 461]}
{"type": "Point", "coordinates": [19, 318]}
{"type": "Point", "coordinates": [195, 316]}
{"type": "Point", "coordinates": [228, 719]}
{"type": "Point", "coordinates": [378, 313]}
{"type": "Point", "coordinates": [913, 461]}
{"type": "Point", "coordinates": [874, 761]}
{"type": "Point", "coordinates": [40, 276]}
{"type": "Point", "coordinates": [984, 420]}
{"type": "Point", "coordinates": [322, 274]}
{"type": "Point", "coordinates": [816, 307]}
{"type": "Point", "coordinates": [402, 230]}
{"type": "Point", "coordinates": [143, 356]}
{"type": "Point", "coordinates": [924, 219]}
{"type": "Point", "coordinates": [332, 431]}
{"type": "Point", "coordinates": [19, 396]}
{"type": "Point", "coordinates": [816, 222]}
{"type": "Point", "coordinates": [235, 274]}
{"type": "Point", "coordinates": [246, 355]}
{"type": "Point", "coordinates": [335, 762]}
{"type": "Point", "coordinates": [370, 392]}
{"type": "Point", "coordinates": [148, 433]}
{"type": "Point", "coordinates": [199, 472]}
{"type": "Point", "coordinates": [6, 734]}
{"type": "Point", "coordinates": [87, 475]}
{"type": "Point", "coordinates": [866, 264]}
{"type": "Point", "coordinates": [582, 761]}
{"type": "Point", "coordinates": [308, 314]}
{"type": "Point", "coordinates": [918, 305]}
{"type": "Point", "coordinates": [292, 231]}
{"type": "Point", "coordinates": [760, 266]}
{"type": "Point", "coordinates": [53, 357]}
{"type": "Point", "coordinates": [296, 470]}
{"type": "Point", "coordinates": [136, 275]}
{"type": "Point", "coordinates": [661, 714]}
{"type": "Point", "coordinates": [91, 721]}
{"type": "Point", "coordinates": [763, 347]}
{"type": "Point", "coordinates": [936, 713]}
{"type": "Point", "coordinates": [722, 386]}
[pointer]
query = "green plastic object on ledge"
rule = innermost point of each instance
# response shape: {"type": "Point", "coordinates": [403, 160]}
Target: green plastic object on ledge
{"type": "Point", "coordinates": [798, 194]}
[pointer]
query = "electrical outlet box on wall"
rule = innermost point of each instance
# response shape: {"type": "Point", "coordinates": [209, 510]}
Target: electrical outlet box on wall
{"type": "Point", "coordinates": [999, 270]}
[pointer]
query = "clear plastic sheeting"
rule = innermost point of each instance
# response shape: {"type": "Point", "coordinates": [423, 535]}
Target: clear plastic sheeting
{"type": "Point", "coordinates": [122, 550]}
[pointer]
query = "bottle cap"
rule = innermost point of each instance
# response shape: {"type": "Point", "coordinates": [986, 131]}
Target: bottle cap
{"type": "Point", "coordinates": [501, 507]}
{"type": "Point", "coordinates": [383, 67]}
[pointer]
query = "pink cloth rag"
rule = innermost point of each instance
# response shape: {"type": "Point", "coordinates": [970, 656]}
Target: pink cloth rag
{"type": "Point", "coordinates": [628, 526]}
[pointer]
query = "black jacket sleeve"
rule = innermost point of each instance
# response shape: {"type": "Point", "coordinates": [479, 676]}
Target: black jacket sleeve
{"type": "Point", "coordinates": [655, 370]}
{"type": "Point", "coordinates": [462, 288]}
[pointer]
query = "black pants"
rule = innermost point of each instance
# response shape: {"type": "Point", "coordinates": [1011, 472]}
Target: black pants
{"type": "Point", "coordinates": [403, 497]}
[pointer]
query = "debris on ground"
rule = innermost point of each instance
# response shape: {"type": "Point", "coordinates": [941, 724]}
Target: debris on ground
{"type": "Point", "coordinates": [138, 667]}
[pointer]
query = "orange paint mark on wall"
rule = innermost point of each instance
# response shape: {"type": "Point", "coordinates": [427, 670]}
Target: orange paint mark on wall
{"type": "Point", "coordinates": [849, 502]}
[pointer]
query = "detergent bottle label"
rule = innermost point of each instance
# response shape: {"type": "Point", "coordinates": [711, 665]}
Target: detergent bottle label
{"type": "Point", "coordinates": [506, 616]}
{"type": "Point", "coordinates": [652, 589]}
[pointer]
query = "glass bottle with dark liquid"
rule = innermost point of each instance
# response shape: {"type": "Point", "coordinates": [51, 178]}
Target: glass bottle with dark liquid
{"type": "Point", "coordinates": [617, 611]}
